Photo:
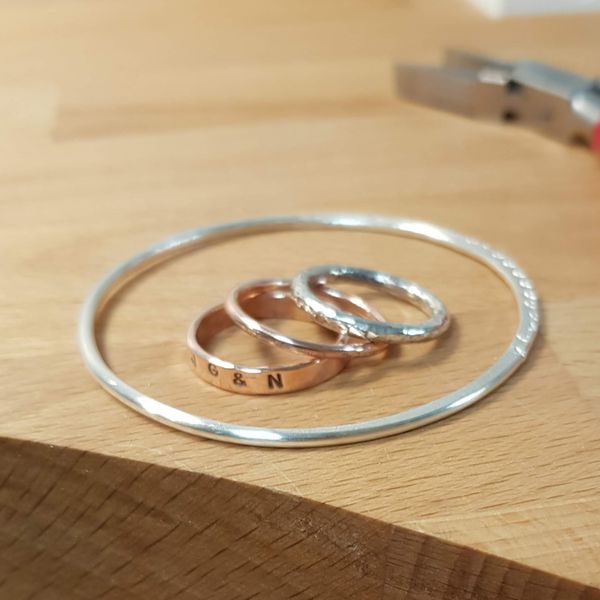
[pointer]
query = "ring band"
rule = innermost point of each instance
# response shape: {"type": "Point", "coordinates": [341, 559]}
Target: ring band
{"type": "Point", "coordinates": [514, 355]}
{"type": "Point", "coordinates": [248, 320]}
{"type": "Point", "coordinates": [329, 315]}
{"type": "Point", "coordinates": [256, 380]}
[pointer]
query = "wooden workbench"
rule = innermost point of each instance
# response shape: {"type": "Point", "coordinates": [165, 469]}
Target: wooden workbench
{"type": "Point", "coordinates": [124, 121]}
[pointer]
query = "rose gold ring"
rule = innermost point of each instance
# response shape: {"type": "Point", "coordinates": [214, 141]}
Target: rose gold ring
{"type": "Point", "coordinates": [274, 302]}
{"type": "Point", "coordinates": [245, 317]}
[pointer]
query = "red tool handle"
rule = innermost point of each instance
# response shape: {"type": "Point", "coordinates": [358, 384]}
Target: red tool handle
{"type": "Point", "coordinates": [596, 138]}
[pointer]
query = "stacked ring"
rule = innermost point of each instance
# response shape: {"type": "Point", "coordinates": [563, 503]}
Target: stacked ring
{"type": "Point", "coordinates": [306, 298]}
{"type": "Point", "coordinates": [270, 299]}
{"type": "Point", "coordinates": [249, 321]}
{"type": "Point", "coordinates": [327, 314]}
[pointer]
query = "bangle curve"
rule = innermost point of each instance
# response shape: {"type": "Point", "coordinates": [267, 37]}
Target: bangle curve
{"type": "Point", "coordinates": [513, 357]}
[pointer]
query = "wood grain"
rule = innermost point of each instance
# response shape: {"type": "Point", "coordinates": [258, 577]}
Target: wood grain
{"type": "Point", "coordinates": [123, 122]}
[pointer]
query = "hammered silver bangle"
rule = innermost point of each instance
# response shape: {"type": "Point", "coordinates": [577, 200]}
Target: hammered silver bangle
{"type": "Point", "coordinates": [514, 356]}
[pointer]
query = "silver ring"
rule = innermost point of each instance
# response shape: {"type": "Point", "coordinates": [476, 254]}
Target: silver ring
{"type": "Point", "coordinates": [512, 358]}
{"type": "Point", "coordinates": [329, 315]}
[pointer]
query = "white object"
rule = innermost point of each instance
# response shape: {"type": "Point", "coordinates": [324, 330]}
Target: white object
{"type": "Point", "coordinates": [507, 8]}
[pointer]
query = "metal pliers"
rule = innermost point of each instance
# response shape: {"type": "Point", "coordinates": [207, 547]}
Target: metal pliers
{"type": "Point", "coordinates": [557, 103]}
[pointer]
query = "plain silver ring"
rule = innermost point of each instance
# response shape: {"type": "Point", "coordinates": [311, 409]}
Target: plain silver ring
{"type": "Point", "coordinates": [329, 315]}
{"type": "Point", "coordinates": [512, 358]}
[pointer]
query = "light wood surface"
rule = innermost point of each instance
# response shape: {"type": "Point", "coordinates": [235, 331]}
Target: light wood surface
{"type": "Point", "coordinates": [123, 122]}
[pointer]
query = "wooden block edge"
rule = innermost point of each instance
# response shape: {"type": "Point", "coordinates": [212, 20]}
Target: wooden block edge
{"type": "Point", "coordinates": [80, 525]}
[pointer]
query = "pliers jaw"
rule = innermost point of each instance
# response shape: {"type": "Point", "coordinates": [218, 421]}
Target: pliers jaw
{"type": "Point", "coordinates": [557, 103]}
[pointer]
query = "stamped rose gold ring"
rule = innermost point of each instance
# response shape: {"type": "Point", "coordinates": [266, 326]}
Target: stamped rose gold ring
{"type": "Point", "coordinates": [244, 316]}
{"type": "Point", "coordinates": [266, 300]}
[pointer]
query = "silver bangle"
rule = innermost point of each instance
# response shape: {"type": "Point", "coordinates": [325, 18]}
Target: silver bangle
{"type": "Point", "coordinates": [502, 369]}
{"type": "Point", "coordinates": [329, 315]}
